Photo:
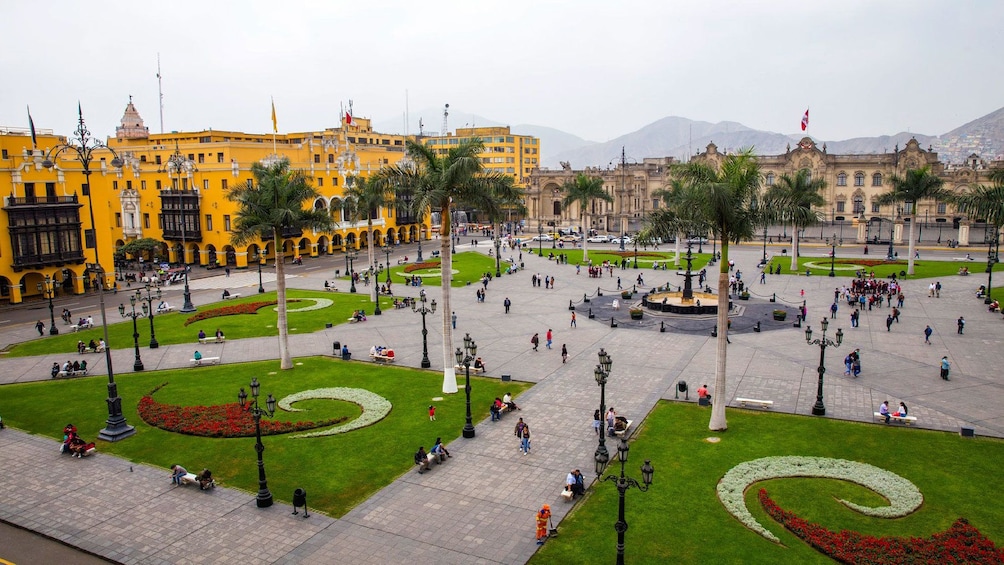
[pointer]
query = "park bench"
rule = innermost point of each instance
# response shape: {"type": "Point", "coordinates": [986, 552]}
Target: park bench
{"type": "Point", "coordinates": [78, 327]}
{"type": "Point", "coordinates": [330, 288]}
{"type": "Point", "coordinates": [232, 296]}
{"type": "Point", "coordinates": [165, 310]}
{"type": "Point", "coordinates": [193, 479]}
{"type": "Point", "coordinates": [213, 339]}
{"type": "Point", "coordinates": [754, 402]}
{"type": "Point", "coordinates": [205, 361]}
{"type": "Point", "coordinates": [431, 458]}
{"type": "Point", "coordinates": [623, 433]}
{"type": "Point", "coordinates": [473, 369]}
{"type": "Point", "coordinates": [71, 373]}
{"type": "Point", "coordinates": [377, 358]}
{"type": "Point", "coordinates": [98, 349]}
{"type": "Point", "coordinates": [402, 261]}
{"type": "Point", "coordinates": [902, 419]}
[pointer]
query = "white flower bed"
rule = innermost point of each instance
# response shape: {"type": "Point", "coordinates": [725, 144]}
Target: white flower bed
{"type": "Point", "coordinates": [319, 303]}
{"type": "Point", "coordinates": [375, 407]}
{"type": "Point", "coordinates": [903, 496]}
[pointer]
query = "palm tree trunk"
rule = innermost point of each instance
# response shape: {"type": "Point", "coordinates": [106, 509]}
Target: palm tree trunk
{"type": "Point", "coordinates": [369, 229]}
{"type": "Point", "coordinates": [585, 236]}
{"type": "Point", "coordinates": [679, 236]}
{"type": "Point", "coordinates": [718, 421]}
{"type": "Point", "coordinates": [285, 361]}
{"type": "Point", "coordinates": [794, 248]}
{"type": "Point", "coordinates": [909, 263]}
{"type": "Point", "coordinates": [446, 264]}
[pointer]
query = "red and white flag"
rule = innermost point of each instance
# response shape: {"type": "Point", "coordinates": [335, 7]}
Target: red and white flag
{"type": "Point", "coordinates": [805, 120]}
{"type": "Point", "coordinates": [348, 118]}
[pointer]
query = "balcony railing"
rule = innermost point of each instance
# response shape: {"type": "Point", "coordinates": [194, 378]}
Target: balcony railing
{"type": "Point", "coordinates": [11, 201]}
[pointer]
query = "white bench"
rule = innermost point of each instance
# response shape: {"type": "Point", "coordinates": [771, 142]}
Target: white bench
{"type": "Point", "coordinates": [330, 289]}
{"type": "Point", "coordinates": [473, 368]}
{"type": "Point", "coordinates": [903, 419]}
{"type": "Point", "coordinates": [622, 433]}
{"type": "Point", "coordinates": [97, 349]}
{"type": "Point", "coordinates": [193, 479]}
{"type": "Point", "coordinates": [72, 373]}
{"type": "Point", "coordinates": [205, 361]}
{"type": "Point", "coordinates": [232, 296]}
{"type": "Point", "coordinates": [77, 327]}
{"type": "Point", "coordinates": [752, 401]}
{"type": "Point", "coordinates": [212, 339]}
{"type": "Point", "coordinates": [165, 310]}
{"type": "Point", "coordinates": [567, 494]}
{"type": "Point", "coordinates": [384, 358]}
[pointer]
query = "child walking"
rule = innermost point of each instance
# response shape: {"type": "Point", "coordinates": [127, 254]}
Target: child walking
{"type": "Point", "coordinates": [432, 413]}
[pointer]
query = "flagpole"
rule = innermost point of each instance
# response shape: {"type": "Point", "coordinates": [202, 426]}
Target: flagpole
{"type": "Point", "coordinates": [275, 127]}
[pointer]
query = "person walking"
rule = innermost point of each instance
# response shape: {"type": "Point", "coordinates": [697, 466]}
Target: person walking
{"type": "Point", "coordinates": [945, 367]}
{"type": "Point", "coordinates": [888, 323]}
{"type": "Point", "coordinates": [453, 319]}
{"type": "Point", "coordinates": [564, 353]}
{"type": "Point", "coordinates": [833, 311]}
{"type": "Point", "coordinates": [856, 367]}
{"type": "Point", "coordinates": [573, 320]}
{"type": "Point", "coordinates": [927, 335]}
{"type": "Point", "coordinates": [542, 519]}
{"type": "Point", "coordinates": [548, 336]}
{"type": "Point", "coordinates": [432, 413]}
{"type": "Point", "coordinates": [523, 433]}
{"type": "Point", "coordinates": [535, 340]}
{"type": "Point", "coordinates": [41, 328]}
{"type": "Point", "coordinates": [507, 303]}
{"type": "Point", "coordinates": [961, 322]}
{"type": "Point", "coordinates": [618, 283]}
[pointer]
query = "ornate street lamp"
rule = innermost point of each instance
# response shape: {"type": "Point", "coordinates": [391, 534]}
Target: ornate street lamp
{"type": "Point", "coordinates": [181, 164]}
{"type": "Point", "coordinates": [424, 310]}
{"type": "Point", "coordinates": [264, 498]}
{"type": "Point", "coordinates": [540, 240]}
{"type": "Point", "coordinates": [636, 251]}
{"type": "Point", "coordinates": [818, 409]}
{"type": "Point", "coordinates": [601, 373]}
{"type": "Point", "coordinates": [420, 243]}
{"type": "Point", "coordinates": [623, 236]}
{"type": "Point", "coordinates": [624, 483]}
{"type": "Point", "coordinates": [993, 257]}
{"type": "Point", "coordinates": [465, 357]}
{"type": "Point", "coordinates": [137, 363]}
{"type": "Point", "coordinates": [833, 242]}
{"type": "Point", "coordinates": [261, 261]}
{"type": "Point", "coordinates": [149, 298]}
{"type": "Point", "coordinates": [498, 247]}
{"type": "Point", "coordinates": [350, 256]}
{"type": "Point", "coordinates": [46, 287]}
{"type": "Point", "coordinates": [81, 146]}
{"type": "Point", "coordinates": [386, 251]}
{"type": "Point", "coordinates": [891, 254]}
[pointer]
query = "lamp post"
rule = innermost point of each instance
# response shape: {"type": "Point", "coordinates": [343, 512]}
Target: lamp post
{"type": "Point", "coordinates": [350, 256]}
{"type": "Point", "coordinates": [540, 240]}
{"type": "Point", "coordinates": [261, 261]}
{"type": "Point", "coordinates": [179, 163]}
{"type": "Point", "coordinates": [601, 373]}
{"type": "Point", "coordinates": [554, 236]}
{"type": "Point", "coordinates": [891, 254]}
{"type": "Point", "coordinates": [386, 251]}
{"type": "Point", "coordinates": [149, 309]}
{"type": "Point", "coordinates": [82, 146]}
{"type": "Point", "coordinates": [623, 236]}
{"type": "Point", "coordinates": [636, 251]}
{"type": "Point", "coordinates": [423, 310]}
{"type": "Point", "coordinates": [420, 244]}
{"type": "Point", "coordinates": [465, 357]}
{"type": "Point", "coordinates": [48, 291]}
{"type": "Point", "coordinates": [264, 498]}
{"type": "Point", "coordinates": [138, 363]}
{"type": "Point", "coordinates": [765, 245]}
{"type": "Point", "coordinates": [993, 250]}
{"type": "Point", "coordinates": [833, 242]}
{"type": "Point", "coordinates": [624, 483]}
{"type": "Point", "coordinates": [498, 247]}
{"type": "Point", "coordinates": [818, 409]}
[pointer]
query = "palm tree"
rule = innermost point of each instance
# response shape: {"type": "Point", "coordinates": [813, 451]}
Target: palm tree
{"type": "Point", "coordinates": [268, 205]}
{"type": "Point", "coordinates": [582, 191]}
{"type": "Point", "coordinates": [363, 200]}
{"type": "Point", "coordinates": [792, 199]}
{"type": "Point", "coordinates": [675, 197]}
{"type": "Point", "coordinates": [441, 182]}
{"type": "Point", "coordinates": [510, 201]}
{"type": "Point", "coordinates": [913, 187]}
{"type": "Point", "coordinates": [723, 198]}
{"type": "Point", "coordinates": [986, 203]}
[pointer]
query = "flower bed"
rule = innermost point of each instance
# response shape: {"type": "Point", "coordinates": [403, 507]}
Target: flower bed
{"type": "Point", "coordinates": [961, 543]}
{"type": "Point", "coordinates": [227, 420]}
{"type": "Point", "coordinates": [236, 309]}
{"type": "Point", "coordinates": [868, 262]}
{"type": "Point", "coordinates": [436, 264]}
{"type": "Point", "coordinates": [374, 407]}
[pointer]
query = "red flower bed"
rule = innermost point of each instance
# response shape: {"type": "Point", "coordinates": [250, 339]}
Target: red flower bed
{"type": "Point", "coordinates": [629, 254]}
{"type": "Point", "coordinates": [961, 543]}
{"type": "Point", "coordinates": [228, 420]}
{"type": "Point", "coordinates": [246, 308]}
{"type": "Point", "coordinates": [423, 265]}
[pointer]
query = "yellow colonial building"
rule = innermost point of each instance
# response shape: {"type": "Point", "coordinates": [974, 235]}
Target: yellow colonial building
{"type": "Point", "coordinates": [173, 187]}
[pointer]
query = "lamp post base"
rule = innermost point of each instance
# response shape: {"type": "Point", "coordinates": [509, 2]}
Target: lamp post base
{"type": "Point", "coordinates": [116, 430]}
{"type": "Point", "coordinates": [818, 409]}
{"type": "Point", "coordinates": [468, 431]}
{"type": "Point", "coordinates": [137, 365]}
{"type": "Point", "coordinates": [53, 330]}
{"type": "Point", "coordinates": [263, 500]}
{"type": "Point", "coordinates": [154, 344]}
{"type": "Point", "coordinates": [426, 363]}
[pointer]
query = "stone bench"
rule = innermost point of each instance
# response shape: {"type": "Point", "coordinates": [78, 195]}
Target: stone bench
{"type": "Point", "coordinates": [205, 361]}
{"type": "Point", "coordinates": [233, 296]}
{"type": "Point", "coordinates": [623, 433]}
{"type": "Point", "coordinates": [381, 358]}
{"type": "Point", "coordinates": [902, 419]}
{"type": "Point", "coordinates": [71, 373]}
{"type": "Point", "coordinates": [213, 339]}
{"type": "Point", "coordinates": [473, 369]}
{"type": "Point", "coordinates": [754, 402]}
{"type": "Point", "coordinates": [77, 327]}
{"type": "Point", "coordinates": [193, 479]}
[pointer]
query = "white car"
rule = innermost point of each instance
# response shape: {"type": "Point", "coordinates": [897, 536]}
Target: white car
{"type": "Point", "coordinates": [571, 238]}
{"type": "Point", "coordinates": [626, 239]}
{"type": "Point", "coordinates": [544, 237]}
{"type": "Point", "coordinates": [599, 239]}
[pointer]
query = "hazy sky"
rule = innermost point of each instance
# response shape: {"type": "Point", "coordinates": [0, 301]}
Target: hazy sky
{"type": "Point", "coordinates": [594, 69]}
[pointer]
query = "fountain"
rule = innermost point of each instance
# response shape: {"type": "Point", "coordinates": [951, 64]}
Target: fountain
{"type": "Point", "coordinates": [686, 301]}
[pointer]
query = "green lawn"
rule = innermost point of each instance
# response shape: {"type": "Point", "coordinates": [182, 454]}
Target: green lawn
{"type": "Point", "coordinates": [338, 471]}
{"type": "Point", "coordinates": [468, 267]}
{"type": "Point", "coordinates": [680, 519]}
{"type": "Point", "coordinates": [171, 329]}
{"type": "Point", "coordinates": [846, 267]}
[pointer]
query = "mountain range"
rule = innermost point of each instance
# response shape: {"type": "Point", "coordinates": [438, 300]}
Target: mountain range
{"type": "Point", "coordinates": [679, 137]}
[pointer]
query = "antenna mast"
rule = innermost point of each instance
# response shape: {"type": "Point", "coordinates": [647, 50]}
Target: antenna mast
{"type": "Point", "coordinates": [160, 93]}
{"type": "Point", "coordinates": [446, 115]}
{"type": "Point", "coordinates": [421, 128]}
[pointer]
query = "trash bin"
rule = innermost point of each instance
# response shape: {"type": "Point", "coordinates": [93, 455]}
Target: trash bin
{"type": "Point", "coordinates": [300, 499]}
{"type": "Point", "coordinates": [336, 348]}
{"type": "Point", "coordinates": [506, 378]}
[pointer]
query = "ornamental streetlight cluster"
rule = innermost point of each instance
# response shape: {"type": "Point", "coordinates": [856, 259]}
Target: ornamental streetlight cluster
{"type": "Point", "coordinates": [624, 483]}
{"type": "Point", "coordinates": [993, 256]}
{"type": "Point", "coordinates": [147, 295]}
{"type": "Point", "coordinates": [261, 261]}
{"type": "Point", "coordinates": [351, 256]}
{"type": "Point", "coordinates": [81, 147]}
{"type": "Point", "coordinates": [137, 363]}
{"type": "Point", "coordinates": [602, 372]}
{"type": "Point", "coordinates": [264, 498]}
{"type": "Point", "coordinates": [823, 342]}
{"type": "Point", "coordinates": [182, 165]}
{"type": "Point", "coordinates": [386, 251]}
{"type": "Point", "coordinates": [833, 242]}
{"type": "Point", "coordinates": [465, 357]}
{"type": "Point", "coordinates": [424, 310]}
{"type": "Point", "coordinates": [47, 288]}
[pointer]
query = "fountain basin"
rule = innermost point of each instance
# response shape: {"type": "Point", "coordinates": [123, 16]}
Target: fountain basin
{"type": "Point", "coordinates": [675, 303]}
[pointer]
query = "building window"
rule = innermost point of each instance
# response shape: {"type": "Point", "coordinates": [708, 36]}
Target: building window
{"type": "Point", "coordinates": [158, 184]}
{"type": "Point", "coordinates": [142, 185]}
{"type": "Point", "coordinates": [876, 208]}
{"type": "Point", "coordinates": [877, 179]}
{"type": "Point", "coordinates": [842, 179]}
{"type": "Point", "coordinates": [223, 184]}
{"type": "Point", "coordinates": [160, 221]}
{"type": "Point", "coordinates": [859, 204]}
{"type": "Point", "coordinates": [942, 208]}
{"type": "Point", "coordinates": [859, 179]}
{"type": "Point", "coordinates": [202, 157]}
{"type": "Point", "coordinates": [4, 154]}
{"type": "Point", "coordinates": [226, 222]}
{"type": "Point", "coordinates": [128, 185]}
{"type": "Point", "coordinates": [219, 157]}
{"type": "Point", "coordinates": [146, 221]}
{"type": "Point", "coordinates": [840, 206]}
{"type": "Point", "coordinates": [157, 159]}
{"type": "Point", "coordinates": [209, 222]}
{"type": "Point", "coordinates": [320, 181]}
{"type": "Point", "coordinates": [118, 219]}
{"type": "Point", "coordinates": [205, 184]}
{"type": "Point", "coordinates": [317, 158]}
{"type": "Point", "coordinates": [770, 179]}
{"type": "Point", "coordinates": [115, 185]}
{"type": "Point", "coordinates": [331, 157]}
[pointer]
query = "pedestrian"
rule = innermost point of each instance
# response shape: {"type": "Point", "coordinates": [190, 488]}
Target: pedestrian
{"type": "Point", "coordinates": [453, 319]}
{"type": "Point", "coordinates": [856, 367]}
{"type": "Point", "coordinates": [535, 340]}
{"type": "Point", "coordinates": [548, 336]}
{"type": "Point", "coordinates": [927, 335]}
{"type": "Point", "coordinates": [507, 303]}
{"type": "Point", "coordinates": [895, 314]}
{"type": "Point", "coordinates": [41, 328]}
{"type": "Point", "coordinates": [945, 367]}
{"type": "Point", "coordinates": [888, 323]}
{"type": "Point", "coordinates": [228, 272]}
{"type": "Point", "coordinates": [961, 323]}
{"type": "Point", "coordinates": [833, 311]}
{"type": "Point", "coordinates": [597, 418]}
{"type": "Point", "coordinates": [432, 413]}
{"type": "Point", "coordinates": [763, 277]}
{"type": "Point", "coordinates": [848, 364]}
{"type": "Point", "coordinates": [543, 517]}
{"type": "Point", "coordinates": [564, 353]}
{"type": "Point", "coordinates": [618, 283]}
{"type": "Point", "coordinates": [937, 289]}
{"type": "Point", "coordinates": [573, 320]}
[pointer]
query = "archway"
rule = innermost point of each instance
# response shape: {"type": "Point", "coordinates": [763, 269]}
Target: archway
{"type": "Point", "coordinates": [350, 239]}
{"type": "Point", "coordinates": [303, 246]}
{"type": "Point", "coordinates": [269, 251]}
{"type": "Point", "coordinates": [211, 255]}
{"type": "Point", "coordinates": [5, 289]}
{"type": "Point", "coordinates": [378, 239]}
{"type": "Point", "coordinates": [322, 244]}
{"type": "Point", "coordinates": [30, 283]}
{"type": "Point", "coordinates": [196, 253]}
{"type": "Point", "coordinates": [230, 255]}
{"type": "Point", "coordinates": [337, 241]}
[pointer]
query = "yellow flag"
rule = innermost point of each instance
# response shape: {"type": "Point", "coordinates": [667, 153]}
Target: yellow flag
{"type": "Point", "coordinates": [275, 125]}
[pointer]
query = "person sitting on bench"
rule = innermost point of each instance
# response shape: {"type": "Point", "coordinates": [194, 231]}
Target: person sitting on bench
{"type": "Point", "coordinates": [479, 364]}
{"type": "Point", "coordinates": [83, 365]}
{"type": "Point", "coordinates": [620, 423]}
{"type": "Point", "coordinates": [507, 400]}
{"type": "Point", "coordinates": [197, 356]}
{"type": "Point", "coordinates": [226, 293]}
{"type": "Point", "coordinates": [77, 446]}
{"type": "Point", "coordinates": [55, 370]}
{"type": "Point", "coordinates": [92, 345]}
{"type": "Point", "coordinates": [575, 484]}
{"type": "Point", "coordinates": [703, 392]}
{"type": "Point", "coordinates": [177, 473]}
{"type": "Point", "coordinates": [219, 334]}
{"type": "Point", "coordinates": [202, 334]}
{"type": "Point", "coordinates": [496, 409]}
{"type": "Point", "coordinates": [205, 479]}
{"type": "Point", "coordinates": [438, 449]}
{"type": "Point", "coordinates": [76, 366]}
{"type": "Point", "coordinates": [422, 460]}
{"type": "Point", "coordinates": [81, 347]}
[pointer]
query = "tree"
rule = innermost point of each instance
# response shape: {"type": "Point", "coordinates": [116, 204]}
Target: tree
{"type": "Point", "coordinates": [441, 182]}
{"type": "Point", "coordinates": [913, 187]}
{"type": "Point", "coordinates": [675, 197]}
{"type": "Point", "coordinates": [510, 201]}
{"type": "Point", "coordinates": [363, 200]}
{"type": "Point", "coordinates": [138, 247]}
{"type": "Point", "coordinates": [792, 199]}
{"type": "Point", "coordinates": [986, 203]}
{"type": "Point", "coordinates": [269, 204]}
{"type": "Point", "coordinates": [723, 197]}
{"type": "Point", "coordinates": [583, 190]}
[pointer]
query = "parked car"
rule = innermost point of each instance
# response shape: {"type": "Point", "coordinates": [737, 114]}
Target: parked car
{"type": "Point", "coordinates": [599, 239]}
{"type": "Point", "coordinates": [571, 238]}
{"type": "Point", "coordinates": [626, 239]}
{"type": "Point", "coordinates": [698, 240]}
{"type": "Point", "coordinates": [543, 237]}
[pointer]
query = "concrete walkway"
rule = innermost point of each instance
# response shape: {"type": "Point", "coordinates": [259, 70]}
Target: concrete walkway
{"type": "Point", "coordinates": [478, 507]}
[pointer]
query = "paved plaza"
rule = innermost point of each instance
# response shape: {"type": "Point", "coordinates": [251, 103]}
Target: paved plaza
{"type": "Point", "coordinates": [479, 507]}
